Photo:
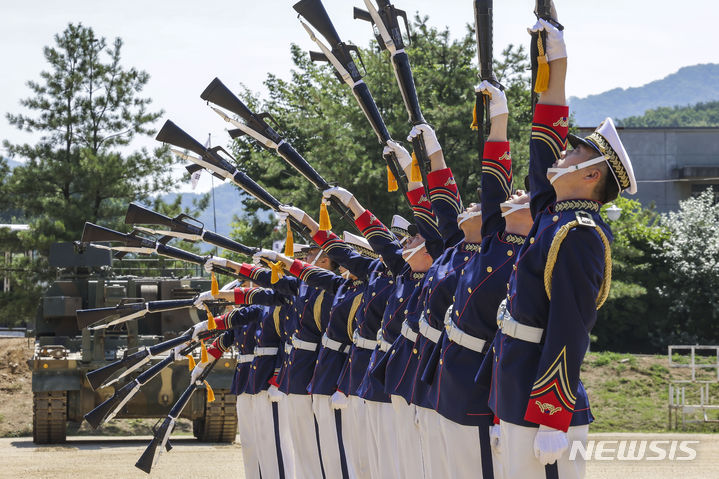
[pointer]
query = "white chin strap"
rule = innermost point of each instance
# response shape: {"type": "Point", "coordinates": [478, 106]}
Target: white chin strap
{"type": "Point", "coordinates": [465, 215]}
{"type": "Point", "coordinates": [557, 172]}
{"type": "Point", "coordinates": [513, 207]}
{"type": "Point", "coordinates": [412, 251]}
{"type": "Point", "coordinates": [346, 274]}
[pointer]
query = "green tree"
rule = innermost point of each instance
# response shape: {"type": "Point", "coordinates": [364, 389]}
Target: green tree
{"type": "Point", "coordinates": [84, 112]}
{"type": "Point", "coordinates": [692, 256]}
{"type": "Point", "coordinates": [701, 114]}
{"type": "Point", "coordinates": [321, 118]}
{"type": "Point", "coordinates": [634, 311]}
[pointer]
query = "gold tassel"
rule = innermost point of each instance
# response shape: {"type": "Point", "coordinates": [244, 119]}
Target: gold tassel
{"type": "Point", "coordinates": [474, 125]}
{"type": "Point", "coordinates": [210, 392]}
{"type": "Point", "coordinates": [190, 362]}
{"type": "Point", "coordinates": [276, 270]}
{"type": "Point", "coordinates": [541, 83]}
{"type": "Point", "coordinates": [211, 324]}
{"type": "Point", "coordinates": [203, 352]}
{"type": "Point", "coordinates": [391, 181]}
{"type": "Point", "coordinates": [325, 223]}
{"type": "Point", "coordinates": [416, 173]}
{"type": "Point", "coordinates": [214, 287]}
{"type": "Point", "coordinates": [289, 242]}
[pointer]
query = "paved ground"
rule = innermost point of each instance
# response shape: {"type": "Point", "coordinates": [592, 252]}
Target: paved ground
{"type": "Point", "coordinates": [103, 458]}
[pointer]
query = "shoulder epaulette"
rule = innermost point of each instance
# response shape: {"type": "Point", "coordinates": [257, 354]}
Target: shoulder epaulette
{"type": "Point", "coordinates": [583, 219]}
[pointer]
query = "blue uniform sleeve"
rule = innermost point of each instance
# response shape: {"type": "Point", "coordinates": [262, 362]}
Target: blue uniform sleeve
{"type": "Point", "coordinates": [549, 138]}
{"type": "Point", "coordinates": [496, 185]}
{"type": "Point", "coordinates": [382, 241]}
{"type": "Point", "coordinates": [446, 204]}
{"type": "Point", "coordinates": [577, 278]}
{"type": "Point", "coordinates": [343, 254]}
{"type": "Point", "coordinates": [426, 222]}
{"type": "Point", "coordinates": [316, 276]}
{"type": "Point", "coordinates": [243, 316]}
{"type": "Point", "coordinates": [286, 285]}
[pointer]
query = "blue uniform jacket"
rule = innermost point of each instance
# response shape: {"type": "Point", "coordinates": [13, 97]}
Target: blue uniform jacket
{"type": "Point", "coordinates": [534, 384]}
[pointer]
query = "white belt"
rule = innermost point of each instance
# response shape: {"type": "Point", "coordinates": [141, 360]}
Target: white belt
{"type": "Point", "coordinates": [429, 332]}
{"type": "Point", "coordinates": [466, 340]}
{"type": "Point", "coordinates": [245, 358]}
{"type": "Point", "coordinates": [361, 342]}
{"type": "Point", "coordinates": [266, 351]}
{"type": "Point", "coordinates": [407, 332]}
{"type": "Point", "coordinates": [511, 327]}
{"type": "Point", "coordinates": [383, 345]}
{"type": "Point", "coordinates": [288, 348]}
{"type": "Point", "coordinates": [334, 345]}
{"type": "Point", "coordinates": [297, 343]}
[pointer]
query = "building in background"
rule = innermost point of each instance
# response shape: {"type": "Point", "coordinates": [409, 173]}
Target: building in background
{"type": "Point", "coordinates": [671, 164]}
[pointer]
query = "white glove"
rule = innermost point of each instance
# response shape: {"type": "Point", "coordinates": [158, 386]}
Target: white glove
{"type": "Point", "coordinates": [267, 254]}
{"type": "Point", "coordinates": [294, 212]}
{"type": "Point", "coordinates": [275, 394]}
{"type": "Point", "coordinates": [550, 444]}
{"type": "Point", "coordinates": [494, 438]}
{"type": "Point", "coordinates": [430, 137]}
{"type": "Point", "coordinates": [214, 261]}
{"type": "Point", "coordinates": [554, 47]}
{"type": "Point", "coordinates": [197, 371]}
{"type": "Point", "coordinates": [497, 98]}
{"type": "Point", "coordinates": [176, 352]}
{"type": "Point", "coordinates": [402, 155]}
{"type": "Point", "coordinates": [198, 328]}
{"type": "Point", "coordinates": [281, 216]}
{"type": "Point", "coordinates": [201, 298]}
{"type": "Point", "coordinates": [338, 400]}
{"type": "Point", "coordinates": [340, 193]}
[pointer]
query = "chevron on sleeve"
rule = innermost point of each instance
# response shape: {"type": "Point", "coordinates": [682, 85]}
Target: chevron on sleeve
{"type": "Point", "coordinates": [551, 401]}
{"type": "Point", "coordinates": [551, 125]}
{"type": "Point", "coordinates": [442, 187]}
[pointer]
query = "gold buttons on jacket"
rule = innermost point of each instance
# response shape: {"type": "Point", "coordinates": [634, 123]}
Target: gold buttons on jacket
{"type": "Point", "coordinates": [469, 290]}
{"type": "Point", "coordinates": [510, 253]}
{"type": "Point", "coordinates": [489, 269]}
{"type": "Point", "coordinates": [556, 218]}
{"type": "Point", "coordinates": [531, 240]}
{"type": "Point", "coordinates": [401, 299]}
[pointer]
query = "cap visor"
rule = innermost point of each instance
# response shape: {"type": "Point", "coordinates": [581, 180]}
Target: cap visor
{"type": "Point", "coordinates": [575, 141]}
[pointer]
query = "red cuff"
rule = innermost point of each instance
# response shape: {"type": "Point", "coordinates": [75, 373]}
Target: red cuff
{"type": "Point", "coordinates": [548, 410]}
{"type": "Point", "coordinates": [555, 117]}
{"type": "Point", "coordinates": [441, 179]}
{"type": "Point", "coordinates": [214, 351]}
{"type": "Point", "coordinates": [417, 197]}
{"type": "Point", "coordinates": [273, 381]}
{"type": "Point", "coordinates": [247, 269]}
{"type": "Point", "coordinates": [221, 321]}
{"type": "Point", "coordinates": [322, 237]}
{"type": "Point", "coordinates": [498, 151]}
{"type": "Point", "coordinates": [297, 267]}
{"type": "Point", "coordinates": [366, 220]}
{"type": "Point", "coordinates": [240, 294]}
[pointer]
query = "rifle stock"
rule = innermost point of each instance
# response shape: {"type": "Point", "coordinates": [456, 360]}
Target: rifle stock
{"type": "Point", "coordinates": [146, 460]}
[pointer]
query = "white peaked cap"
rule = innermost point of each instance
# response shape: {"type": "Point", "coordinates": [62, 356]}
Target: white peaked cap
{"type": "Point", "coordinates": [360, 244]}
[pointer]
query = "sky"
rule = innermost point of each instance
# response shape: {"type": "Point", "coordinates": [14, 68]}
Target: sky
{"type": "Point", "coordinates": [184, 44]}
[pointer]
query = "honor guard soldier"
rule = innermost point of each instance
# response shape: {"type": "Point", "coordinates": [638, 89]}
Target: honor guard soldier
{"type": "Point", "coordinates": [562, 277]}
{"type": "Point", "coordinates": [409, 265]}
{"type": "Point", "coordinates": [352, 253]}
{"type": "Point", "coordinates": [347, 291]}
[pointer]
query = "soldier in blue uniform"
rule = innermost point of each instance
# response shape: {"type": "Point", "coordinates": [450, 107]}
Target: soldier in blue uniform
{"type": "Point", "coordinates": [562, 277]}
{"type": "Point", "coordinates": [336, 340]}
{"type": "Point", "coordinates": [365, 452]}
{"type": "Point", "coordinates": [408, 265]}
{"type": "Point", "coordinates": [307, 320]}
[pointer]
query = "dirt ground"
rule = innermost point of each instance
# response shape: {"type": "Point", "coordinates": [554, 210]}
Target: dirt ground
{"type": "Point", "coordinates": [15, 387]}
{"type": "Point", "coordinates": [115, 458]}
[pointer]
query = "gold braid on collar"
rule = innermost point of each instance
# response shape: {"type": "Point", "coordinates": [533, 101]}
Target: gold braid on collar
{"type": "Point", "coordinates": [567, 205]}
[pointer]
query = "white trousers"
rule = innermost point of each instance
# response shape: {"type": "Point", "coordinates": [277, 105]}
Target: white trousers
{"type": "Point", "coordinates": [265, 435]}
{"type": "Point", "coordinates": [288, 449]}
{"type": "Point", "coordinates": [463, 450]}
{"type": "Point", "coordinates": [409, 454]}
{"type": "Point", "coordinates": [354, 434]}
{"type": "Point", "coordinates": [332, 453]}
{"type": "Point", "coordinates": [516, 444]}
{"type": "Point", "coordinates": [304, 437]}
{"type": "Point", "coordinates": [248, 439]}
{"type": "Point", "coordinates": [432, 444]}
{"type": "Point", "coordinates": [382, 441]}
